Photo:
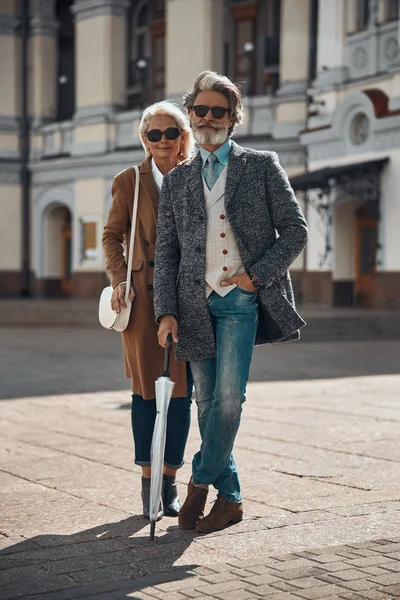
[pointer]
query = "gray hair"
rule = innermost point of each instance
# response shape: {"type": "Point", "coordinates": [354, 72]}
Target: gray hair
{"type": "Point", "coordinates": [171, 110]}
{"type": "Point", "coordinates": [213, 82]}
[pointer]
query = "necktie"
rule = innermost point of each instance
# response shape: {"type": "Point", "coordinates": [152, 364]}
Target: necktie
{"type": "Point", "coordinates": [210, 171]}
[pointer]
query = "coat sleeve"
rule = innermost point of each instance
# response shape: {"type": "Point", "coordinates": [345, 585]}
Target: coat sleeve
{"type": "Point", "coordinates": [167, 256]}
{"type": "Point", "coordinates": [118, 224]}
{"type": "Point", "coordinates": [289, 222]}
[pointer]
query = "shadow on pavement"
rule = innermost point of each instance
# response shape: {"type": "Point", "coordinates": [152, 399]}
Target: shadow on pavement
{"type": "Point", "coordinates": [109, 558]}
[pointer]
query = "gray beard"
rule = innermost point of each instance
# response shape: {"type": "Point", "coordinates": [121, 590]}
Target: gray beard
{"type": "Point", "coordinates": [212, 137]}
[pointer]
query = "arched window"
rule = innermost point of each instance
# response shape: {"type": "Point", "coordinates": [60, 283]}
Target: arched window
{"type": "Point", "coordinates": [146, 52]}
{"type": "Point", "coordinates": [66, 61]}
{"type": "Point", "coordinates": [252, 50]}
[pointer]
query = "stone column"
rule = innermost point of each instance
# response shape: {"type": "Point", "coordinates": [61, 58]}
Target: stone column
{"type": "Point", "coordinates": [331, 44]}
{"type": "Point", "coordinates": [194, 41]}
{"type": "Point", "coordinates": [294, 45]}
{"type": "Point", "coordinates": [10, 188]}
{"type": "Point", "coordinates": [291, 109]}
{"type": "Point", "coordinates": [100, 56]}
{"type": "Point", "coordinates": [43, 62]}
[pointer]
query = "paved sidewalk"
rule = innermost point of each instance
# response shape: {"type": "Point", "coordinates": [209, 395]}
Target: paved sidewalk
{"type": "Point", "coordinates": [319, 463]}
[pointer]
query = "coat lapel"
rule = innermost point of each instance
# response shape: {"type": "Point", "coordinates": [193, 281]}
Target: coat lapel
{"type": "Point", "coordinates": [236, 164]}
{"type": "Point", "coordinates": [148, 200]}
{"type": "Point", "coordinates": [195, 188]}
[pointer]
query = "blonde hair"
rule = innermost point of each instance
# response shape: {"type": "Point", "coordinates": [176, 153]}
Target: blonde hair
{"type": "Point", "coordinates": [171, 110]}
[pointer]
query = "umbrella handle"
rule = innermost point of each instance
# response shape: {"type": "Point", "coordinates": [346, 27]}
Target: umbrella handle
{"type": "Point", "coordinates": [167, 355]}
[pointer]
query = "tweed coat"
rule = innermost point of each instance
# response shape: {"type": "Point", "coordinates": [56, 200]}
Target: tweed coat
{"type": "Point", "coordinates": [269, 229]}
{"type": "Point", "coordinates": [143, 356]}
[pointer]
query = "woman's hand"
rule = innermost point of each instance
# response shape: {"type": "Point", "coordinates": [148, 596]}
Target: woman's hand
{"type": "Point", "coordinates": [118, 297]}
{"type": "Point", "coordinates": [168, 324]}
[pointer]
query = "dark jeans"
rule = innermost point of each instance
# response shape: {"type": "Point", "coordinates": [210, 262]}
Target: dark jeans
{"type": "Point", "coordinates": [178, 423]}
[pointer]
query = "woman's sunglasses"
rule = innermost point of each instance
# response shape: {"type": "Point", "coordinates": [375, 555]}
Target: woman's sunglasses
{"type": "Point", "coordinates": [155, 135]}
{"type": "Point", "coordinates": [218, 112]}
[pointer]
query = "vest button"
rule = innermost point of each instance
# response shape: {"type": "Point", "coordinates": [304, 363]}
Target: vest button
{"type": "Point", "coordinates": [222, 234]}
{"type": "Point", "coordinates": [224, 268]}
{"type": "Point", "coordinates": [151, 263]}
{"type": "Point", "coordinates": [224, 251]}
{"type": "Point", "coordinates": [222, 217]}
{"type": "Point", "coordinates": [150, 287]}
{"type": "Point", "coordinates": [146, 243]}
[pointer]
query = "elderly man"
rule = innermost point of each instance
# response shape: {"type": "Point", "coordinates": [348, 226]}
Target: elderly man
{"type": "Point", "coordinates": [229, 227]}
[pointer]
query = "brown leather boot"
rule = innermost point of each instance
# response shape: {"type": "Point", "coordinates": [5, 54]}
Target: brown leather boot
{"type": "Point", "coordinates": [193, 508]}
{"type": "Point", "coordinates": [221, 514]}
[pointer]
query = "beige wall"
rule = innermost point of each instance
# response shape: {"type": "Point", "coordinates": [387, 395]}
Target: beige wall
{"type": "Point", "coordinates": [43, 80]}
{"type": "Point", "coordinates": [90, 204]}
{"type": "Point", "coordinates": [10, 227]}
{"type": "Point", "coordinates": [9, 7]}
{"type": "Point", "coordinates": [9, 75]}
{"type": "Point", "coordinates": [294, 40]}
{"type": "Point", "coordinates": [290, 112]}
{"type": "Point", "coordinates": [100, 61]}
{"type": "Point", "coordinates": [192, 44]}
{"type": "Point", "coordinates": [9, 141]}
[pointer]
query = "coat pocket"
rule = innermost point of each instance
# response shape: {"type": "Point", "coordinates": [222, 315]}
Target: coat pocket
{"type": "Point", "coordinates": [137, 265]}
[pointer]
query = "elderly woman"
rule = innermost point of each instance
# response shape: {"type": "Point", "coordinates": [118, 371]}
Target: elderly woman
{"type": "Point", "coordinates": [167, 139]}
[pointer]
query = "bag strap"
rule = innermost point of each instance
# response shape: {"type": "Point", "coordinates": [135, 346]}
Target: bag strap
{"type": "Point", "coordinates": [133, 228]}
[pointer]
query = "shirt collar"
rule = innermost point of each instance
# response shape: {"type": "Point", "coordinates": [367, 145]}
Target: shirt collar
{"type": "Point", "coordinates": [222, 153]}
{"type": "Point", "coordinates": [158, 176]}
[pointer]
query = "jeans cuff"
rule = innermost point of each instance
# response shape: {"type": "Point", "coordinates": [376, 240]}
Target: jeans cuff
{"type": "Point", "coordinates": [147, 463]}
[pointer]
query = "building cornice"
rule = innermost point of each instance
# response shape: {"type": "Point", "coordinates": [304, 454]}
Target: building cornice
{"type": "Point", "coordinates": [10, 173]}
{"type": "Point", "coordinates": [88, 9]}
{"type": "Point", "coordinates": [8, 24]}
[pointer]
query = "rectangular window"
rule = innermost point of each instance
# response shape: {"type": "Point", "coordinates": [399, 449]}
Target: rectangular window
{"type": "Point", "coordinates": [393, 10]}
{"type": "Point", "coordinates": [362, 16]}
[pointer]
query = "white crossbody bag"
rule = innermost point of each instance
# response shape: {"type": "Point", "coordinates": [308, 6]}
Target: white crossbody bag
{"type": "Point", "coordinates": [107, 316]}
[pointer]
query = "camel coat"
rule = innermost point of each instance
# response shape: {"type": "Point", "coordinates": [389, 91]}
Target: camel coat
{"type": "Point", "coordinates": [144, 358]}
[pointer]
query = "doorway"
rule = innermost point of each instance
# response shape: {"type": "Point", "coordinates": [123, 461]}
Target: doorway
{"type": "Point", "coordinates": [366, 239]}
{"type": "Point", "coordinates": [58, 252]}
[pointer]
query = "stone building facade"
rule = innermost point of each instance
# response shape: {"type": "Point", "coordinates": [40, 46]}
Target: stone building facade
{"type": "Point", "coordinates": [322, 86]}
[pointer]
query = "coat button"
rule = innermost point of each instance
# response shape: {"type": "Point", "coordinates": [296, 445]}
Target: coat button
{"type": "Point", "coordinates": [224, 251]}
{"type": "Point", "coordinates": [224, 268]}
{"type": "Point", "coordinates": [222, 217]}
{"type": "Point", "coordinates": [151, 263]}
{"type": "Point", "coordinates": [150, 287]}
{"type": "Point", "coordinates": [146, 243]}
{"type": "Point", "coordinates": [222, 234]}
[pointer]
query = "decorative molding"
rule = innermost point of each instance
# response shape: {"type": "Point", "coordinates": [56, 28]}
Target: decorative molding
{"type": "Point", "coordinates": [292, 89]}
{"type": "Point", "coordinates": [10, 173]}
{"type": "Point", "coordinates": [330, 77]}
{"type": "Point", "coordinates": [8, 123]}
{"type": "Point", "coordinates": [8, 24]}
{"type": "Point", "coordinates": [88, 9]}
{"type": "Point", "coordinates": [42, 17]}
{"type": "Point", "coordinates": [96, 113]}
{"type": "Point", "coordinates": [336, 140]}
{"type": "Point", "coordinates": [287, 130]}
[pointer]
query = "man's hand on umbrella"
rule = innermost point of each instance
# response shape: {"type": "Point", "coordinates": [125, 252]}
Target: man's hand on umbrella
{"type": "Point", "coordinates": [168, 324]}
{"type": "Point", "coordinates": [242, 281]}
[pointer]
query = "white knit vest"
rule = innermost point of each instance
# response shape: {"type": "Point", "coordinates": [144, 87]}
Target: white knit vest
{"type": "Point", "coordinates": [222, 254]}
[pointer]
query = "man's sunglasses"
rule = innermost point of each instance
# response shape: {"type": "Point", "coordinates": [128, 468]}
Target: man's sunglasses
{"type": "Point", "coordinates": [218, 112]}
{"type": "Point", "coordinates": [155, 135]}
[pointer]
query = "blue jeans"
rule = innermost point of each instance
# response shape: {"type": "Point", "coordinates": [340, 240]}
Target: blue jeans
{"type": "Point", "coordinates": [220, 385]}
{"type": "Point", "coordinates": [178, 423]}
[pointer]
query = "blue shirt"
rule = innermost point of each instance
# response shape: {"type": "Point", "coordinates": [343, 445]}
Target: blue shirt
{"type": "Point", "coordinates": [222, 153]}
